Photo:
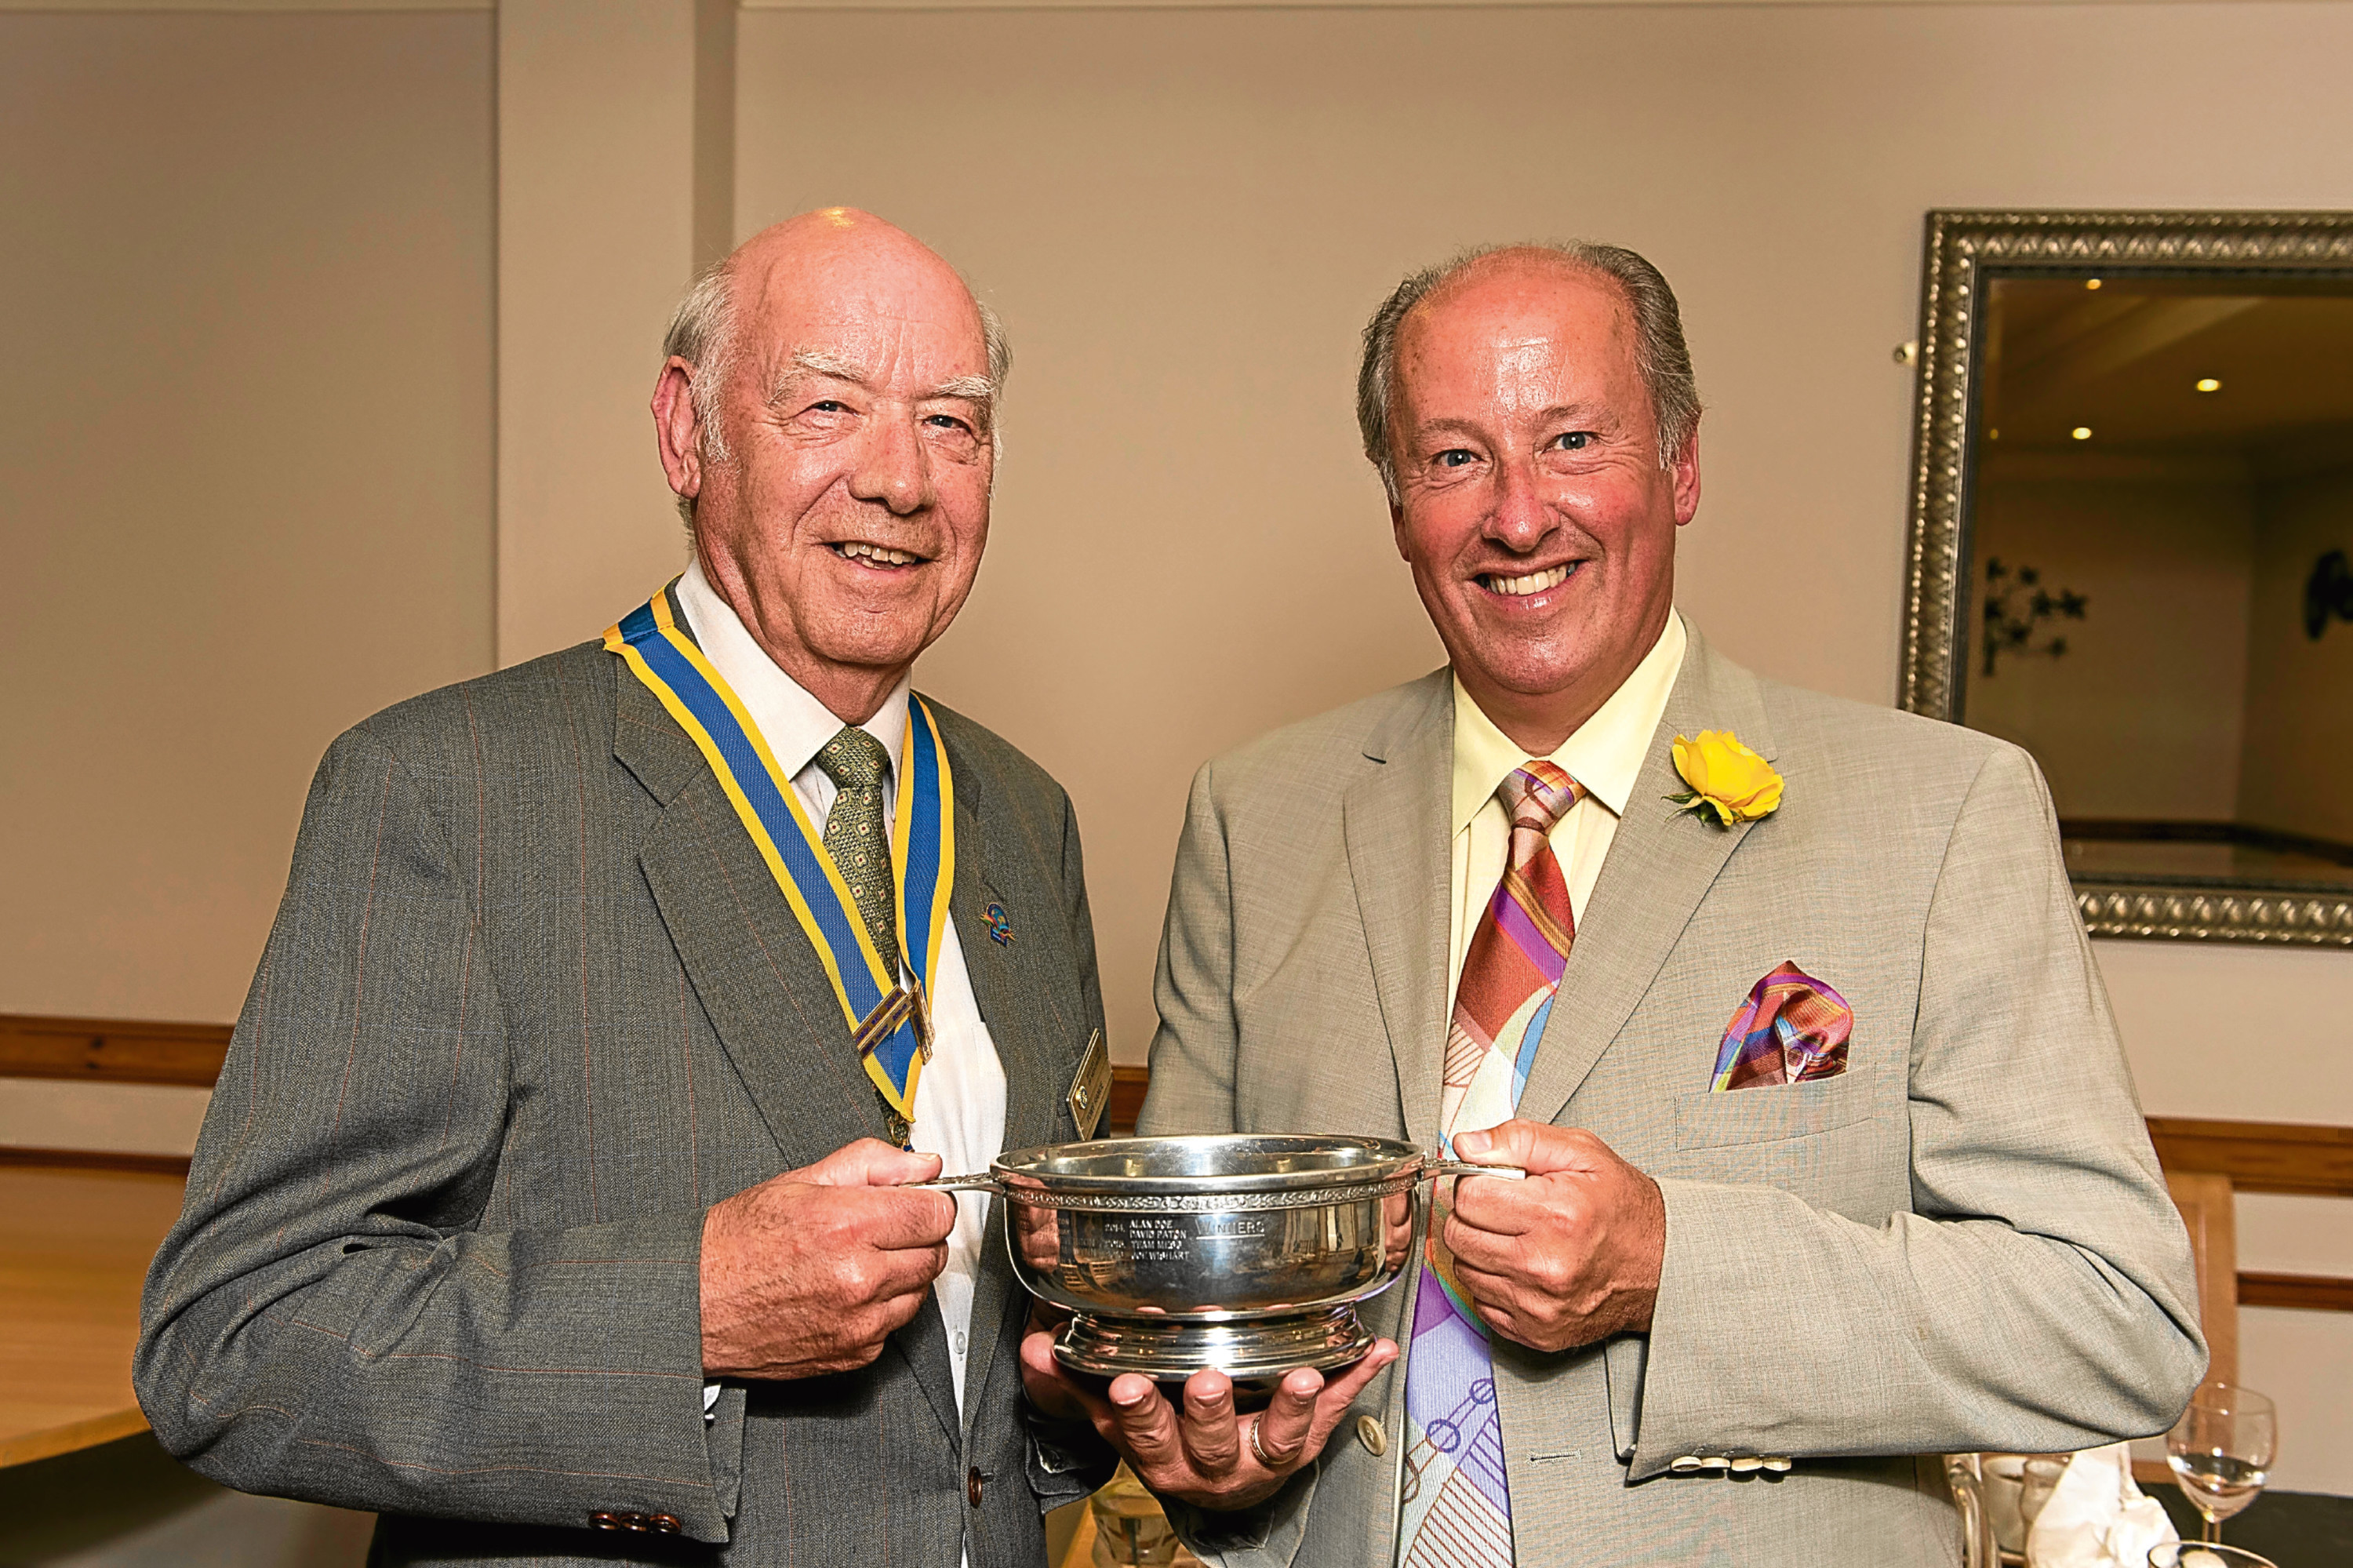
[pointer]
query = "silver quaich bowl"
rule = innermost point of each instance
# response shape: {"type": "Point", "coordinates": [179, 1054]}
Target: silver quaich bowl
{"type": "Point", "coordinates": [1243, 1252]}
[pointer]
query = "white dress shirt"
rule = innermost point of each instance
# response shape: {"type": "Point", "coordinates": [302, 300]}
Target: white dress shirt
{"type": "Point", "coordinates": [1605, 754]}
{"type": "Point", "coordinates": [960, 1098]}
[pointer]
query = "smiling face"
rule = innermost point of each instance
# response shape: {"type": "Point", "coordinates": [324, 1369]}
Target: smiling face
{"type": "Point", "coordinates": [1531, 505]}
{"type": "Point", "coordinates": [846, 520]}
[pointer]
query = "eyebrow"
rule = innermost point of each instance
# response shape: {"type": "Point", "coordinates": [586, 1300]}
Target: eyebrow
{"type": "Point", "coordinates": [1596, 417]}
{"type": "Point", "coordinates": [817, 362]}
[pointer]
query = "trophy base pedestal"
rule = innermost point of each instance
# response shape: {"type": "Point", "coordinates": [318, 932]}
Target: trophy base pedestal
{"type": "Point", "coordinates": [1169, 1350]}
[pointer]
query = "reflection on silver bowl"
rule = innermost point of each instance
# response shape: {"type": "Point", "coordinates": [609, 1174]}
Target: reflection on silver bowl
{"type": "Point", "coordinates": [1243, 1252]}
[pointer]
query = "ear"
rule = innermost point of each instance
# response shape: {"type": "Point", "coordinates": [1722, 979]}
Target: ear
{"type": "Point", "coordinates": [1686, 472]}
{"type": "Point", "coordinates": [1396, 530]}
{"type": "Point", "coordinates": [677, 431]}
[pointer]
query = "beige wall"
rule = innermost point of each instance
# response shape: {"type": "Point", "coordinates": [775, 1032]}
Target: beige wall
{"type": "Point", "coordinates": [2141, 716]}
{"type": "Point", "coordinates": [1186, 216]}
{"type": "Point", "coordinates": [249, 468]}
{"type": "Point", "coordinates": [245, 469]}
{"type": "Point", "coordinates": [2299, 755]}
{"type": "Point", "coordinates": [596, 228]}
{"type": "Point", "coordinates": [244, 461]}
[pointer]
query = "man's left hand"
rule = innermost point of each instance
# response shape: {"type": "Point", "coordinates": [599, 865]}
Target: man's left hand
{"type": "Point", "coordinates": [1569, 1255]}
{"type": "Point", "coordinates": [1199, 1450]}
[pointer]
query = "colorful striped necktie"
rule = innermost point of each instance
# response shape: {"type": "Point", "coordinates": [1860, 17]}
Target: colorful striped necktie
{"type": "Point", "coordinates": [1458, 1506]}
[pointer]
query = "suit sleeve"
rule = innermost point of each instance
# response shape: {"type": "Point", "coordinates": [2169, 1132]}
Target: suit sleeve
{"type": "Point", "coordinates": [1194, 1049]}
{"type": "Point", "coordinates": [2039, 1299]}
{"type": "Point", "coordinates": [330, 1320]}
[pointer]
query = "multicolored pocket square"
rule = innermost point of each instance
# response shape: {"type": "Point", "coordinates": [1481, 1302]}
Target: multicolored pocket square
{"type": "Point", "coordinates": [1791, 1028]}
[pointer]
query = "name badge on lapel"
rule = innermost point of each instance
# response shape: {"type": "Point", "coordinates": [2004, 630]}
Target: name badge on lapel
{"type": "Point", "coordinates": [1091, 1090]}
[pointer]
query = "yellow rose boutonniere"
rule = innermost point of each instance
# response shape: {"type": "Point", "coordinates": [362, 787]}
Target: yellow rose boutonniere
{"type": "Point", "coordinates": [1725, 777]}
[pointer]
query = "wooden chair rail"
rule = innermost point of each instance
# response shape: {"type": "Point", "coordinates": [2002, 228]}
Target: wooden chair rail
{"type": "Point", "coordinates": [1127, 1086]}
{"type": "Point", "coordinates": [2260, 1156]}
{"type": "Point", "coordinates": [112, 1051]}
{"type": "Point", "coordinates": [2257, 1156]}
{"type": "Point", "coordinates": [2312, 1291]}
{"type": "Point", "coordinates": [17, 1156]}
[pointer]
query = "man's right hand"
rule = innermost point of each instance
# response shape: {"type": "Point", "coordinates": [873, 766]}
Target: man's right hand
{"type": "Point", "coordinates": [810, 1271]}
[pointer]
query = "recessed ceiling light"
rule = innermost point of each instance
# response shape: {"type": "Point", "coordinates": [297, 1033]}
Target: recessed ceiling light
{"type": "Point", "coordinates": [2208, 384]}
{"type": "Point", "coordinates": [2091, 283]}
{"type": "Point", "coordinates": [2081, 432]}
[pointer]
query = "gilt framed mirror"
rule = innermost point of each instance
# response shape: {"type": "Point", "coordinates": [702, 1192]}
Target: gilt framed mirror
{"type": "Point", "coordinates": [2131, 549]}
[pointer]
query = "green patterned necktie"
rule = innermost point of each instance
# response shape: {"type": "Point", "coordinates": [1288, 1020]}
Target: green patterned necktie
{"type": "Point", "coordinates": [858, 834]}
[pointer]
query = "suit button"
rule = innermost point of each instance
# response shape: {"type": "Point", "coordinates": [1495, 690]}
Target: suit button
{"type": "Point", "coordinates": [602, 1519]}
{"type": "Point", "coordinates": [972, 1486]}
{"type": "Point", "coordinates": [1777, 1463]}
{"type": "Point", "coordinates": [1684, 1463]}
{"type": "Point", "coordinates": [665, 1524]}
{"type": "Point", "coordinates": [1744, 1463]}
{"type": "Point", "coordinates": [1373, 1436]}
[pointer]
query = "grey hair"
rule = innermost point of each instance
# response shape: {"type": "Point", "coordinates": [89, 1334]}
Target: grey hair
{"type": "Point", "coordinates": [1660, 354]}
{"type": "Point", "coordinates": [702, 333]}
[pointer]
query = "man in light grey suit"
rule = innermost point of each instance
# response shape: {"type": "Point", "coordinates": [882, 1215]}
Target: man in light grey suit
{"type": "Point", "coordinates": [546, 1203]}
{"type": "Point", "coordinates": [1834, 1160]}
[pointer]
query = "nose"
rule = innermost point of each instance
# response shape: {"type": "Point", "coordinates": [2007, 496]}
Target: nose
{"type": "Point", "coordinates": [1519, 519]}
{"type": "Point", "coordinates": [892, 468]}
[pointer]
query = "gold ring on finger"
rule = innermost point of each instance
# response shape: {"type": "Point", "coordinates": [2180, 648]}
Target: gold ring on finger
{"type": "Point", "coordinates": [1258, 1447]}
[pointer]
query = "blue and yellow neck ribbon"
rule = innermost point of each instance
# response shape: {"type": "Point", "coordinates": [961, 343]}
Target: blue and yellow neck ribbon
{"type": "Point", "coordinates": [889, 1020]}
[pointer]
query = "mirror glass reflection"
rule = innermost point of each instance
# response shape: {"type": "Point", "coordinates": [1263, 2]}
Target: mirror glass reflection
{"type": "Point", "coordinates": [2160, 604]}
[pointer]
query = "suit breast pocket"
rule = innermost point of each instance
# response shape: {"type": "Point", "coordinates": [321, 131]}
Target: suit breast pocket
{"type": "Point", "coordinates": [1771, 1113]}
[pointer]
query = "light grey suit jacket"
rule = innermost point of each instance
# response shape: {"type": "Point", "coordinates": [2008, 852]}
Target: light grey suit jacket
{"type": "Point", "coordinates": [532, 1002]}
{"type": "Point", "coordinates": [1962, 1243]}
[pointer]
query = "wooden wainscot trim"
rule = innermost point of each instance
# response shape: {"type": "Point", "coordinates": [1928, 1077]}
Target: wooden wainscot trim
{"type": "Point", "coordinates": [2260, 1156]}
{"type": "Point", "coordinates": [1127, 1086]}
{"type": "Point", "coordinates": [2311, 1291]}
{"type": "Point", "coordinates": [17, 1156]}
{"type": "Point", "coordinates": [111, 1051]}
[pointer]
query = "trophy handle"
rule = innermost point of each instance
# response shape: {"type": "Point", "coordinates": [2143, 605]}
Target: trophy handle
{"type": "Point", "coordinates": [1436, 1168]}
{"type": "Point", "coordinates": [980, 1181]}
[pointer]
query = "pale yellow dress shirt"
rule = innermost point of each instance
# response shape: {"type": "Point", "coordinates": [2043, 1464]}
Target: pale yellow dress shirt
{"type": "Point", "coordinates": [1605, 755]}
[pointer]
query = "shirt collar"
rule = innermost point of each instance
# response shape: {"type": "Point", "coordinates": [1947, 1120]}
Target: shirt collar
{"type": "Point", "coordinates": [1605, 754]}
{"type": "Point", "coordinates": [795, 724]}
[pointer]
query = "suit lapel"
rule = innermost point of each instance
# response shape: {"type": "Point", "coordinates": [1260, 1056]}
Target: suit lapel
{"type": "Point", "coordinates": [1009, 979]}
{"type": "Point", "coordinates": [760, 981]}
{"type": "Point", "coordinates": [1026, 1030]}
{"type": "Point", "coordinates": [1395, 825]}
{"type": "Point", "coordinates": [1660, 863]}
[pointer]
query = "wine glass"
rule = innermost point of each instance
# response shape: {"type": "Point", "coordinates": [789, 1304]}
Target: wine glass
{"type": "Point", "coordinates": [2222, 1450]}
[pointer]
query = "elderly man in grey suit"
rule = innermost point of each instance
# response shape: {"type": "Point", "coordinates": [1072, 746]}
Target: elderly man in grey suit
{"type": "Point", "coordinates": [1833, 1159]}
{"type": "Point", "coordinates": [547, 1202]}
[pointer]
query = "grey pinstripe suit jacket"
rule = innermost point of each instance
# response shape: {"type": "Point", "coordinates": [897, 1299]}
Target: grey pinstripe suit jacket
{"type": "Point", "coordinates": [531, 1004]}
{"type": "Point", "coordinates": [1962, 1243]}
